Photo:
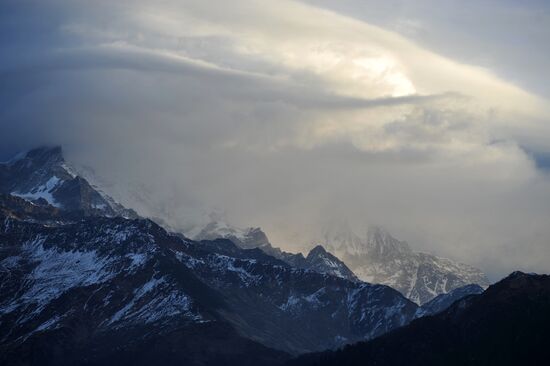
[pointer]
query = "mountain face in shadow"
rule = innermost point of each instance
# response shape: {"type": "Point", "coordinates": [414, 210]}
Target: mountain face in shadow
{"type": "Point", "coordinates": [443, 301]}
{"type": "Point", "coordinates": [508, 324]}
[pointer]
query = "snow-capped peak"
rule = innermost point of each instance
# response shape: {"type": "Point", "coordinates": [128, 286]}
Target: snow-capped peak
{"type": "Point", "coordinates": [378, 257]}
{"type": "Point", "coordinates": [42, 176]}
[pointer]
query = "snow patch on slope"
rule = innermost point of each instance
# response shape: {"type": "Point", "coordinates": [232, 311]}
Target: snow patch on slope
{"type": "Point", "coordinates": [153, 301]}
{"type": "Point", "coordinates": [55, 272]}
{"type": "Point", "coordinates": [43, 191]}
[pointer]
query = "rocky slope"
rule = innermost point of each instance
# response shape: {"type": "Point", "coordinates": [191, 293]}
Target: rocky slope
{"type": "Point", "coordinates": [96, 290]}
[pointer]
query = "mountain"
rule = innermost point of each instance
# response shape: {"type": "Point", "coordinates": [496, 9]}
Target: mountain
{"type": "Point", "coordinates": [443, 301]}
{"type": "Point", "coordinates": [380, 258]}
{"type": "Point", "coordinates": [505, 325]}
{"type": "Point", "coordinates": [98, 290]}
{"type": "Point", "coordinates": [317, 260]}
{"type": "Point", "coordinates": [42, 176]}
{"type": "Point", "coordinates": [99, 278]}
{"type": "Point", "coordinates": [83, 286]}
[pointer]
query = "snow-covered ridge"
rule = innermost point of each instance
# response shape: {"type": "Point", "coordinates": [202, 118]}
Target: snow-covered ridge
{"type": "Point", "coordinates": [109, 261]}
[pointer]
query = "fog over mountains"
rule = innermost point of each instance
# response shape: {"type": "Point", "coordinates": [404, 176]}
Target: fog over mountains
{"type": "Point", "coordinates": [274, 182]}
{"type": "Point", "coordinates": [379, 258]}
{"type": "Point", "coordinates": [88, 281]}
{"type": "Point", "coordinates": [42, 174]}
{"type": "Point", "coordinates": [84, 276]}
{"type": "Point", "coordinates": [427, 119]}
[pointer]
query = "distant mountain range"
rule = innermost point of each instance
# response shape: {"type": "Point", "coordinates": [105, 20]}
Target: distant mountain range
{"type": "Point", "coordinates": [318, 259]}
{"type": "Point", "coordinates": [377, 258]}
{"type": "Point", "coordinates": [86, 281]}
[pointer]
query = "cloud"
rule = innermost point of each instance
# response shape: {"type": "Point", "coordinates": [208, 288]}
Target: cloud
{"type": "Point", "coordinates": [506, 37]}
{"type": "Point", "coordinates": [284, 115]}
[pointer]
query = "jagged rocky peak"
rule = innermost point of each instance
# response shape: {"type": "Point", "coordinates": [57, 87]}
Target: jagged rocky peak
{"type": "Point", "coordinates": [378, 257]}
{"type": "Point", "coordinates": [42, 176]}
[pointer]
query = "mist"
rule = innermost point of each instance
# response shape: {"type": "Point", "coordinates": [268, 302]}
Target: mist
{"type": "Point", "coordinates": [286, 116]}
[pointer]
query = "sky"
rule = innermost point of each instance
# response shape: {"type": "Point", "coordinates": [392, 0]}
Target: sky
{"type": "Point", "coordinates": [430, 118]}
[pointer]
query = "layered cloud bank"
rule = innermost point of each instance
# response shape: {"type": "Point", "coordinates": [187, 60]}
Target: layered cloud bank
{"type": "Point", "coordinates": [283, 115]}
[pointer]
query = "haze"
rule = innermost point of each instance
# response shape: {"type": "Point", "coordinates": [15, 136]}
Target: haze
{"type": "Point", "coordinates": [431, 120]}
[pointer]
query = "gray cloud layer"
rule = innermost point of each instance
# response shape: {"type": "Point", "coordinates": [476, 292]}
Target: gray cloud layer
{"type": "Point", "coordinates": [282, 115]}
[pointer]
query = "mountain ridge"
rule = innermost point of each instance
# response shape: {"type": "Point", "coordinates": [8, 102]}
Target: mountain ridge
{"type": "Point", "coordinates": [318, 259]}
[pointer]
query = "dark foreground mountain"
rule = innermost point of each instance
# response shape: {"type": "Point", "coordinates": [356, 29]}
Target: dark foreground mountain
{"type": "Point", "coordinates": [85, 282]}
{"type": "Point", "coordinates": [508, 324]}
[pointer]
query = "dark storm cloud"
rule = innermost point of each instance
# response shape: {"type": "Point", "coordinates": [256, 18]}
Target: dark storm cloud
{"type": "Point", "coordinates": [265, 112]}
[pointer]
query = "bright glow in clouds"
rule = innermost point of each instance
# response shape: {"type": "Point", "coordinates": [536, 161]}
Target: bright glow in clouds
{"type": "Point", "coordinates": [285, 116]}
